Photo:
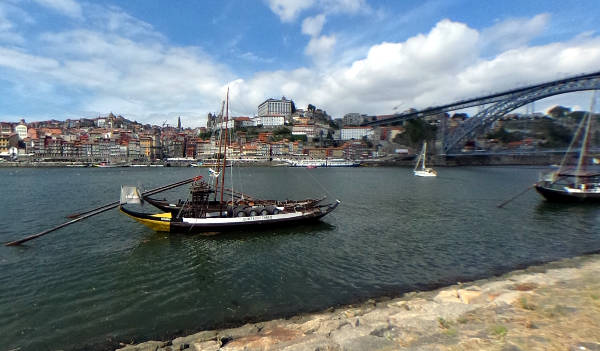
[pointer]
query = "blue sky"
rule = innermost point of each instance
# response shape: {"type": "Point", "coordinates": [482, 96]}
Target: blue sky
{"type": "Point", "coordinates": [154, 60]}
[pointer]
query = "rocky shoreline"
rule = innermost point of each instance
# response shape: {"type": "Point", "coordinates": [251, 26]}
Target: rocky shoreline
{"type": "Point", "coordinates": [555, 306]}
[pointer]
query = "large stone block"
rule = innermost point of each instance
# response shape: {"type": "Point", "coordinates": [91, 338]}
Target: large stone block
{"type": "Point", "coordinates": [450, 295]}
{"type": "Point", "coordinates": [468, 296]}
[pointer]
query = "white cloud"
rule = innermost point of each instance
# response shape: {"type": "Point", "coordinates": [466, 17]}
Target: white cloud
{"type": "Point", "coordinates": [128, 68]}
{"type": "Point", "coordinates": [344, 6]}
{"type": "Point", "coordinates": [312, 25]}
{"type": "Point", "coordinates": [514, 33]}
{"type": "Point", "coordinates": [125, 71]}
{"type": "Point", "coordinates": [288, 10]}
{"type": "Point", "coordinates": [10, 17]}
{"type": "Point", "coordinates": [320, 49]}
{"type": "Point", "coordinates": [430, 69]}
{"type": "Point", "coordinates": [21, 61]}
{"type": "Point", "coordinates": [68, 8]}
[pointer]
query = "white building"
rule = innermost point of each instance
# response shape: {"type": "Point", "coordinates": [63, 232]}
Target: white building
{"type": "Point", "coordinates": [275, 108]}
{"type": "Point", "coordinates": [271, 121]}
{"type": "Point", "coordinates": [309, 130]}
{"type": "Point", "coordinates": [21, 130]}
{"type": "Point", "coordinates": [353, 119]}
{"type": "Point", "coordinates": [349, 133]}
{"type": "Point", "coordinates": [244, 122]}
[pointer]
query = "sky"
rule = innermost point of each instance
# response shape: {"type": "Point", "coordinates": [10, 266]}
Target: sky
{"type": "Point", "coordinates": [154, 60]}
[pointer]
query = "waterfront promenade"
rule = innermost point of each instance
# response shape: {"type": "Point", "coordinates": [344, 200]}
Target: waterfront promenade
{"type": "Point", "coordinates": [472, 159]}
{"type": "Point", "coordinates": [555, 306]}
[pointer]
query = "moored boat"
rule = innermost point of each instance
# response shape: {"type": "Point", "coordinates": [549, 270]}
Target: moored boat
{"type": "Point", "coordinates": [105, 165]}
{"type": "Point", "coordinates": [230, 218]}
{"type": "Point", "coordinates": [421, 170]}
{"type": "Point", "coordinates": [314, 163]}
{"type": "Point", "coordinates": [212, 208]}
{"type": "Point", "coordinates": [576, 180]}
{"type": "Point", "coordinates": [570, 187]}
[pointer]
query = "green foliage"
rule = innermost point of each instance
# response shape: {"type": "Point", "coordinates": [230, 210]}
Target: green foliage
{"type": "Point", "coordinates": [282, 131]}
{"type": "Point", "coordinates": [444, 323]}
{"type": "Point", "coordinates": [499, 330]}
{"type": "Point", "coordinates": [556, 135]}
{"type": "Point", "coordinates": [504, 136]}
{"type": "Point", "coordinates": [559, 111]}
{"type": "Point", "coordinates": [205, 135]}
{"type": "Point", "coordinates": [298, 138]}
{"type": "Point", "coordinates": [452, 332]}
{"type": "Point", "coordinates": [418, 130]}
{"type": "Point", "coordinates": [250, 131]}
{"type": "Point", "coordinates": [525, 304]}
{"type": "Point", "coordinates": [576, 116]}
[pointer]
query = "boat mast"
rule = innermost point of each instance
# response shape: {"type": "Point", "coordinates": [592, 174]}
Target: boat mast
{"type": "Point", "coordinates": [424, 154]}
{"type": "Point", "coordinates": [225, 148]}
{"type": "Point", "coordinates": [219, 154]}
{"type": "Point", "coordinates": [418, 160]}
{"type": "Point", "coordinates": [584, 144]}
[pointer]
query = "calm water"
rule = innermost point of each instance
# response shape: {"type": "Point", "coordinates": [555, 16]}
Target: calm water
{"type": "Point", "coordinates": [109, 279]}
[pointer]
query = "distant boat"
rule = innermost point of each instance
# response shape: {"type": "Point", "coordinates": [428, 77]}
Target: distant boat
{"type": "Point", "coordinates": [314, 163]}
{"type": "Point", "coordinates": [105, 165]}
{"type": "Point", "coordinates": [579, 182]}
{"type": "Point", "coordinates": [421, 170]}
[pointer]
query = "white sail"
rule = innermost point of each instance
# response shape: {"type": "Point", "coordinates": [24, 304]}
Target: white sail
{"type": "Point", "coordinates": [423, 170]}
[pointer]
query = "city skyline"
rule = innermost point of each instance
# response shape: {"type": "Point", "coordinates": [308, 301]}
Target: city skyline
{"type": "Point", "coordinates": [154, 61]}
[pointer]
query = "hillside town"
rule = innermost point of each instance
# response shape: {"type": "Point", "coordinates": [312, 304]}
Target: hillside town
{"type": "Point", "coordinates": [279, 130]}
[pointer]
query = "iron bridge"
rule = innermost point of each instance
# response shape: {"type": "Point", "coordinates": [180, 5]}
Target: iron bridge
{"type": "Point", "coordinates": [499, 104]}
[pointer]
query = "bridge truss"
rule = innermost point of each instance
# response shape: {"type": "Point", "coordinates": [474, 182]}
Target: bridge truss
{"type": "Point", "coordinates": [496, 106]}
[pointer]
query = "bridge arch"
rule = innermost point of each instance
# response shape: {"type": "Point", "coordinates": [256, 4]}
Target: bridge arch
{"type": "Point", "coordinates": [484, 118]}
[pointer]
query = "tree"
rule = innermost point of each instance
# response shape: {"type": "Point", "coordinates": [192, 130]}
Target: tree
{"type": "Point", "coordinates": [298, 138]}
{"type": "Point", "coordinates": [559, 111]}
{"type": "Point", "coordinates": [418, 130]}
{"type": "Point", "coordinates": [281, 133]}
{"type": "Point", "coordinates": [504, 136]}
{"type": "Point", "coordinates": [555, 134]}
{"type": "Point", "coordinates": [205, 135]}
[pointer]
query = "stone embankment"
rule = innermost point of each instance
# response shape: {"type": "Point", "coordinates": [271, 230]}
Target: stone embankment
{"type": "Point", "coordinates": [550, 307]}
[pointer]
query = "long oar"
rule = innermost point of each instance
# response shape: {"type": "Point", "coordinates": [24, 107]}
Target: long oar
{"type": "Point", "coordinates": [516, 196]}
{"type": "Point", "coordinates": [145, 193]}
{"type": "Point", "coordinates": [31, 237]}
{"type": "Point", "coordinates": [96, 211]}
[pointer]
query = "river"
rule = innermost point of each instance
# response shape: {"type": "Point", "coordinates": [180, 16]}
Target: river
{"type": "Point", "coordinates": [109, 279]}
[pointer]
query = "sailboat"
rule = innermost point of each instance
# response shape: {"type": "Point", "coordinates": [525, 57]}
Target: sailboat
{"type": "Point", "coordinates": [210, 207]}
{"type": "Point", "coordinates": [579, 182]}
{"type": "Point", "coordinates": [421, 170]}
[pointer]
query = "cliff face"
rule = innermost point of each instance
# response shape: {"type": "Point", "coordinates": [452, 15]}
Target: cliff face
{"type": "Point", "coordinates": [551, 307]}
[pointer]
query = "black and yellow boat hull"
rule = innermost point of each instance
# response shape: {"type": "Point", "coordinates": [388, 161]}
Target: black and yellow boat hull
{"type": "Point", "coordinates": [167, 222]}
